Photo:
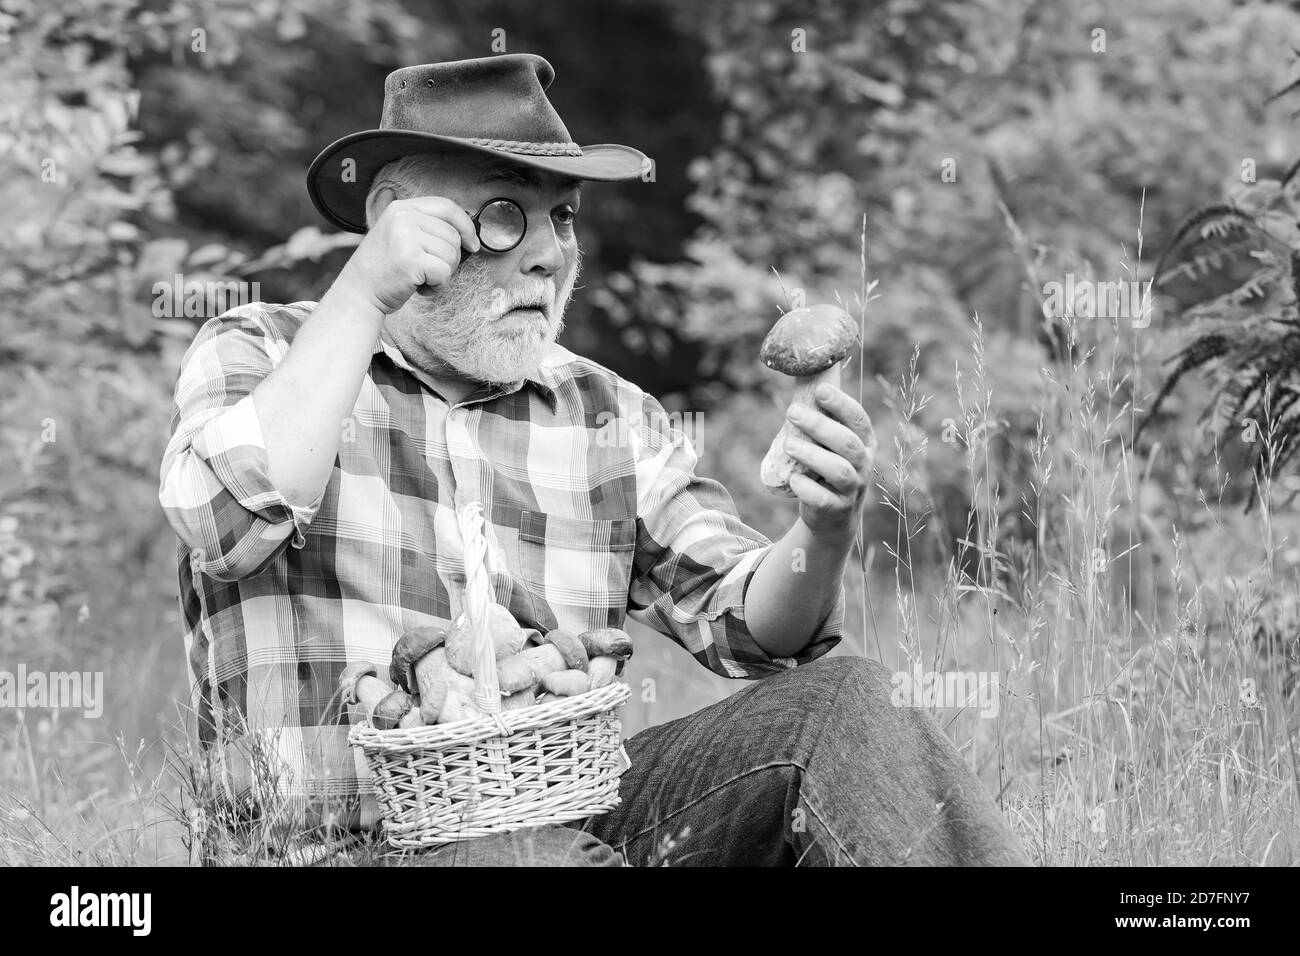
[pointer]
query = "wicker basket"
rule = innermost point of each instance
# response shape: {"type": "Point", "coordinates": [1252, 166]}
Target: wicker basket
{"type": "Point", "coordinates": [550, 763]}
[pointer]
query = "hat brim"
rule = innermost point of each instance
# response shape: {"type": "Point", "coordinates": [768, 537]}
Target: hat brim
{"type": "Point", "coordinates": [339, 193]}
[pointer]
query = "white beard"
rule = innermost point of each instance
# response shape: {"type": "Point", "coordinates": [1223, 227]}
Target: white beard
{"type": "Point", "coordinates": [460, 327]}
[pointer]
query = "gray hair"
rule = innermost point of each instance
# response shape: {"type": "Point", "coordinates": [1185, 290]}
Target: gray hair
{"type": "Point", "coordinates": [407, 176]}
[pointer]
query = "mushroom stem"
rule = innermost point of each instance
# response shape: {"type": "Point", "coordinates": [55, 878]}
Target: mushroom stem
{"type": "Point", "coordinates": [431, 674]}
{"type": "Point", "coordinates": [601, 671]}
{"type": "Point", "coordinates": [777, 465]}
{"type": "Point", "coordinates": [370, 691]}
{"type": "Point", "coordinates": [459, 702]}
{"type": "Point", "coordinates": [566, 683]}
{"type": "Point", "coordinates": [444, 685]}
{"type": "Point", "coordinates": [519, 700]}
{"type": "Point", "coordinates": [359, 686]}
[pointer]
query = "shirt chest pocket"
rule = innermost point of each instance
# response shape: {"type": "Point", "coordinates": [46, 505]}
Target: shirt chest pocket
{"type": "Point", "coordinates": [577, 570]}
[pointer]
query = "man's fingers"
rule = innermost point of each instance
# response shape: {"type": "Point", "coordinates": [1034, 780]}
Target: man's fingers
{"type": "Point", "coordinates": [815, 496]}
{"type": "Point", "coordinates": [435, 269]}
{"type": "Point", "coordinates": [446, 249]}
{"type": "Point", "coordinates": [433, 226]}
{"type": "Point", "coordinates": [442, 208]}
{"type": "Point", "coordinates": [830, 467]}
{"type": "Point", "coordinates": [824, 429]}
{"type": "Point", "coordinates": [845, 409]}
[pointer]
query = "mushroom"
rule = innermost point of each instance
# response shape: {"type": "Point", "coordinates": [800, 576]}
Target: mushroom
{"type": "Point", "coordinates": [360, 684]}
{"type": "Point", "coordinates": [571, 647]}
{"type": "Point", "coordinates": [450, 695]}
{"type": "Point", "coordinates": [522, 672]}
{"type": "Point", "coordinates": [419, 664]}
{"type": "Point", "coordinates": [601, 672]}
{"type": "Point", "coordinates": [507, 637]}
{"type": "Point", "coordinates": [517, 673]}
{"type": "Point", "coordinates": [566, 683]}
{"type": "Point", "coordinates": [458, 704]}
{"type": "Point", "coordinates": [389, 711]}
{"type": "Point", "coordinates": [607, 648]}
{"type": "Point", "coordinates": [519, 700]}
{"type": "Point", "coordinates": [808, 344]}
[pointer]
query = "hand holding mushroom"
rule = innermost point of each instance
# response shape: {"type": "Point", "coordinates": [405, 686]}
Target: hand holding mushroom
{"type": "Point", "coordinates": [825, 450]}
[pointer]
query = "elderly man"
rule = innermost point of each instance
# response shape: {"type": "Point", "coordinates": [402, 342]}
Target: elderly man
{"type": "Point", "coordinates": [320, 451]}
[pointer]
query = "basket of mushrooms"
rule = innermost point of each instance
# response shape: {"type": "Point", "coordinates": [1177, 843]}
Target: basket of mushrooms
{"type": "Point", "coordinates": [485, 726]}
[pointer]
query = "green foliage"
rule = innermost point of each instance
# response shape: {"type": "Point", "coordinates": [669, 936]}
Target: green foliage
{"type": "Point", "coordinates": [1234, 271]}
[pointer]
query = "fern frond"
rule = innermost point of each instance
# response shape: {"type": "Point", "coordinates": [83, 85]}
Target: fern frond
{"type": "Point", "coordinates": [1220, 216]}
{"type": "Point", "coordinates": [1201, 350]}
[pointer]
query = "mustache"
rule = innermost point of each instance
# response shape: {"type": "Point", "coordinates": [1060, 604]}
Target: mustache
{"type": "Point", "coordinates": [471, 298]}
{"type": "Point", "coordinates": [533, 293]}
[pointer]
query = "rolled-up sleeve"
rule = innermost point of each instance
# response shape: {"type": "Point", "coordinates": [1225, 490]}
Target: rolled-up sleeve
{"type": "Point", "coordinates": [214, 485]}
{"type": "Point", "coordinates": [695, 558]}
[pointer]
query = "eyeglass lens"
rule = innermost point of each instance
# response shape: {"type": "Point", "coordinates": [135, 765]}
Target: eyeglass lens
{"type": "Point", "coordinates": [501, 225]}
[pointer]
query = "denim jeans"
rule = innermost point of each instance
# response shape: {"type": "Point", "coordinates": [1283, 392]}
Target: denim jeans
{"type": "Point", "coordinates": [814, 766]}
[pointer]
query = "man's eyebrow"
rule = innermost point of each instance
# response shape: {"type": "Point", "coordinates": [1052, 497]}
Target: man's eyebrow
{"type": "Point", "coordinates": [522, 176]}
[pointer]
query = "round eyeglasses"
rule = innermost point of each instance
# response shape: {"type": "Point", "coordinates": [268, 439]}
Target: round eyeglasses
{"type": "Point", "coordinates": [500, 224]}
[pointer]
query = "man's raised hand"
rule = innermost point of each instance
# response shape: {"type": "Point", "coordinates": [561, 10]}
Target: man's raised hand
{"type": "Point", "coordinates": [414, 242]}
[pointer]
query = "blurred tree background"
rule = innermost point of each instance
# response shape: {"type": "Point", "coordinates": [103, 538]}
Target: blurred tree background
{"type": "Point", "coordinates": [142, 139]}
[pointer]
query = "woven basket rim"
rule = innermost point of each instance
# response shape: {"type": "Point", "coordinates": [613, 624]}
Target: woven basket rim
{"type": "Point", "coordinates": [456, 733]}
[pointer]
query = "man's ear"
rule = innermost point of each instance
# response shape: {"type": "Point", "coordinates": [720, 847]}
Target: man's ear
{"type": "Point", "coordinates": [377, 202]}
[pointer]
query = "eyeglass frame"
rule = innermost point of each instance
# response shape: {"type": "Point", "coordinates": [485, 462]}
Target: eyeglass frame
{"type": "Point", "coordinates": [478, 229]}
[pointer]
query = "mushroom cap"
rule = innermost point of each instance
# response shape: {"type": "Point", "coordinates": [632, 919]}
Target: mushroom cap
{"type": "Point", "coordinates": [807, 341]}
{"type": "Point", "coordinates": [607, 642]}
{"type": "Point", "coordinates": [391, 709]}
{"type": "Point", "coordinates": [412, 646]}
{"type": "Point", "coordinates": [504, 631]}
{"type": "Point", "coordinates": [544, 658]}
{"type": "Point", "coordinates": [515, 673]}
{"type": "Point", "coordinates": [568, 644]}
{"type": "Point", "coordinates": [351, 674]}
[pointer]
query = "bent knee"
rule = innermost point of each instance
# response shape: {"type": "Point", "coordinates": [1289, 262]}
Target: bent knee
{"type": "Point", "coordinates": [837, 673]}
{"type": "Point", "coordinates": [855, 685]}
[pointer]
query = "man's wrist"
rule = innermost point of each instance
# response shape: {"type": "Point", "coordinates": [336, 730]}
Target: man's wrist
{"type": "Point", "coordinates": [839, 538]}
{"type": "Point", "coordinates": [350, 296]}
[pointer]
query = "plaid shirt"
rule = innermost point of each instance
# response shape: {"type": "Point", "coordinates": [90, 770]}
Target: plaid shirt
{"type": "Point", "coordinates": [591, 504]}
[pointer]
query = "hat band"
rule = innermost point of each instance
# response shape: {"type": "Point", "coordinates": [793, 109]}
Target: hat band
{"type": "Point", "coordinates": [517, 146]}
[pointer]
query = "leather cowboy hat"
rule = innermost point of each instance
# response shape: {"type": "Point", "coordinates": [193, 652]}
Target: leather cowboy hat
{"type": "Point", "coordinates": [495, 105]}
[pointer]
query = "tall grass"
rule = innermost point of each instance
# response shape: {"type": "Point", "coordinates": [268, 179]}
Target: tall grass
{"type": "Point", "coordinates": [1142, 631]}
{"type": "Point", "coordinates": [1145, 717]}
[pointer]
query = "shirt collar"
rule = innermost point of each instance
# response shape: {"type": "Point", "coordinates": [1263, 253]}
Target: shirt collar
{"type": "Point", "coordinates": [542, 380]}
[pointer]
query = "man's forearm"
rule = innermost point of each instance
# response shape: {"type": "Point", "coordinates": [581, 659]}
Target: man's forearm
{"type": "Point", "coordinates": [794, 588]}
{"type": "Point", "coordinates": [302, 403]}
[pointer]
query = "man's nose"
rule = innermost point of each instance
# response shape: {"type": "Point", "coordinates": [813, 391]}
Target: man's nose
{"type": "Point", "coordinates": [543, 253]}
